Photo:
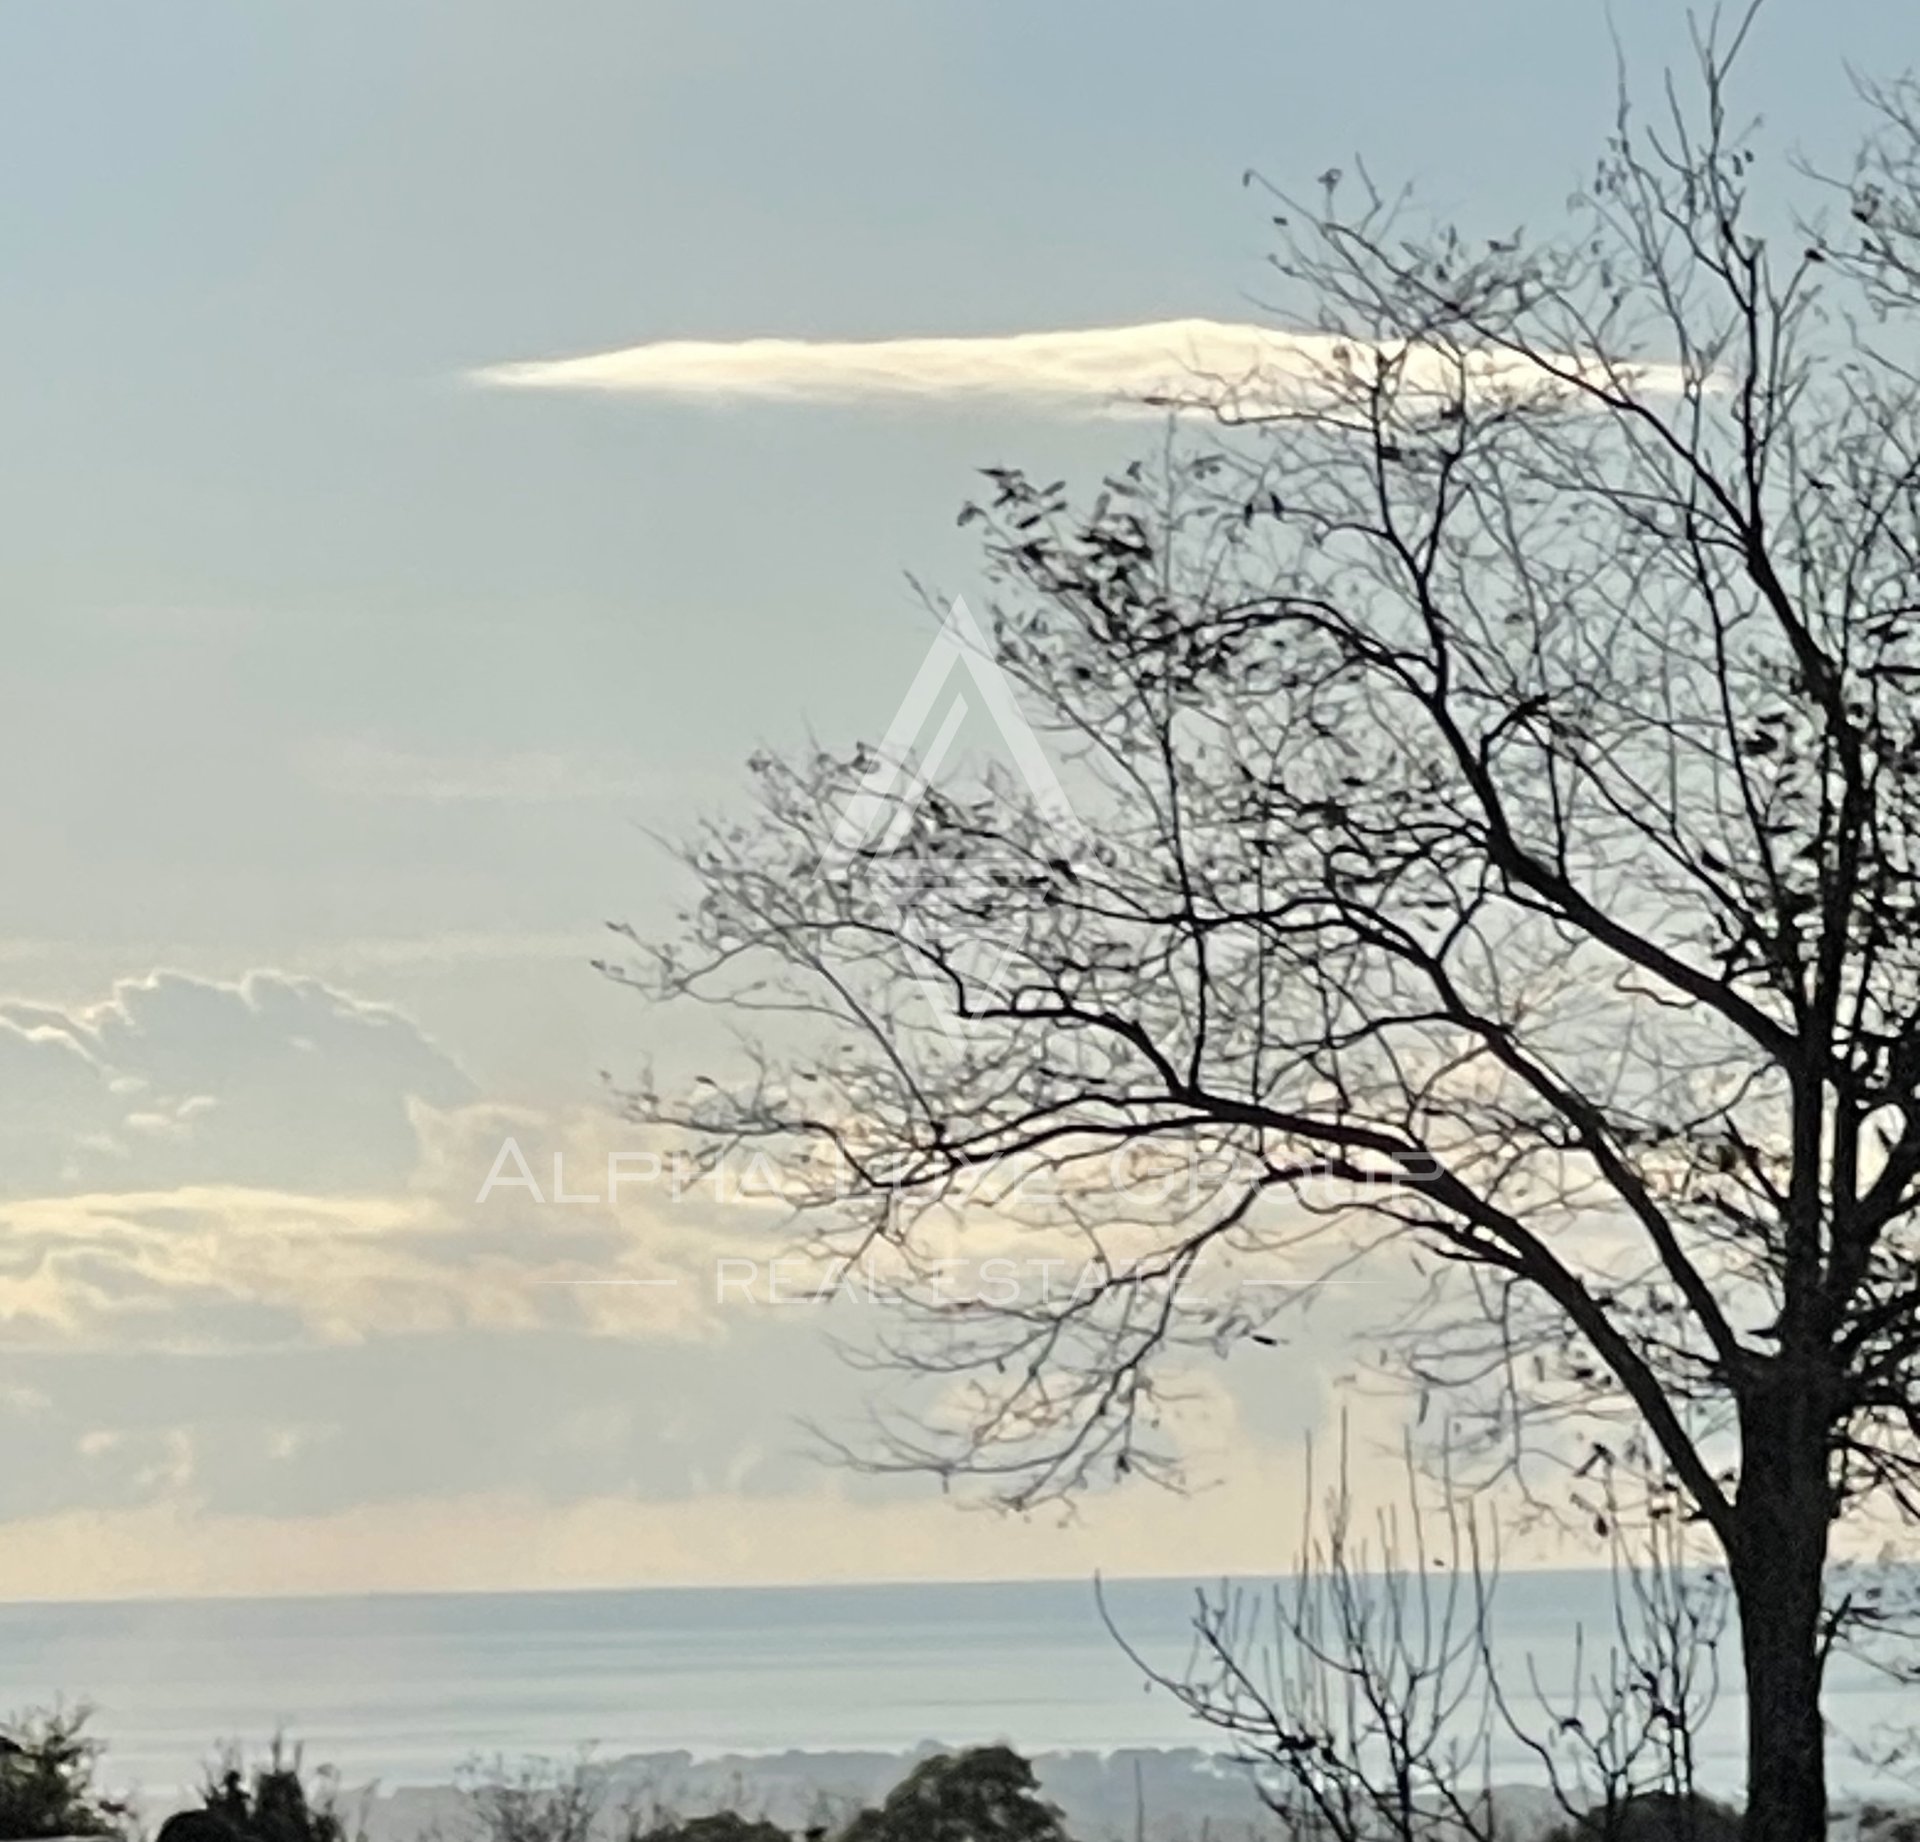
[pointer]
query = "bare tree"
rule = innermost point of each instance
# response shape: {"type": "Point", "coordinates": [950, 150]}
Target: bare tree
{"type": "Point", "coordinates": [1494, 744]}
{"type": "Point", "coordinates": [1358, 1693]}
{"type": "Point", "coordinates": [534, 1800]}
{"type": "Point", "coordinates": [1617, 1739]}
{"type": "Point", "coordinates": [1368, 1693]}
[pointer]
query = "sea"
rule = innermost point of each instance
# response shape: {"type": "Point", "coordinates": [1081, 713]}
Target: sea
{"type": "Point", "coordinates": [406, 1690]}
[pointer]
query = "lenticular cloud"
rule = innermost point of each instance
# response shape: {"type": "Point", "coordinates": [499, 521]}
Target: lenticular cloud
{"type": "Point", "coordinates": [1107, 365]}
{"type": "Point", "coordinates": [1198, 362]}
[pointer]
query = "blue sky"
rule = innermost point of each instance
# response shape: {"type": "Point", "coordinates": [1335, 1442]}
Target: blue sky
{"type": "Point", "coordinates": [328, 665]}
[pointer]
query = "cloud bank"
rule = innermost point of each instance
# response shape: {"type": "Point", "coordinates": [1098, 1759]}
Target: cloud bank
{"type": "Point", "coordinates": [1193, 361]}
{"type": "Point", "coordinates": [272, 1080]}
{"type": "Point", "coordinates": [261, 1328]}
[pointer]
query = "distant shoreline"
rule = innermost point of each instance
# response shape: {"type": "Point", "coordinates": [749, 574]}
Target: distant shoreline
{"type": "Point", "coordinates": [459, 1595]}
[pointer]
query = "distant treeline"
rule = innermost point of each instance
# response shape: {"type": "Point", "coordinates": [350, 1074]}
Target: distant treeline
{"type": "Point", "coordinates": [49, 1787]}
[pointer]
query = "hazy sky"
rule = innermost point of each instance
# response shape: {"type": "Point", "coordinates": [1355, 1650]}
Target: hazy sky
{"type": "Point", "coordinates": [342, 682]}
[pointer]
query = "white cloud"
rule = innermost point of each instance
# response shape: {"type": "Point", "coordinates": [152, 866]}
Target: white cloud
{"type": "Point", "coordinates": [1096, 367]}
{"type": "Point", "coordinates": [273, 1081]}
{"type": "Point", "coordinates": [229, 1267]}
{"type": "Point", "coordinates": [1093, 368]}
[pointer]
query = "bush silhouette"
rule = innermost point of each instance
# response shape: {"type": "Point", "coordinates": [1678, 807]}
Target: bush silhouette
{"type": "Point", "coordinates": [46, 1780]}
{"type": "Point", "coordinates": [1655, 1816]}
{"type": "Point", "coordinates": [988, 1794]}
{"type": "Point", "coordinates": [724, 1826]}
{"type": "Point", "coordinates": [275, 1807]}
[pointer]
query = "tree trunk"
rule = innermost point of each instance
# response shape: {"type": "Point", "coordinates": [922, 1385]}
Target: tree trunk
{"type": "Point", "coordinates": [1778, 1568]}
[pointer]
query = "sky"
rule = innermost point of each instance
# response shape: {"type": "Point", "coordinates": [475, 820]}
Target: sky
{"type": "Point", "coordinates": [403, 518]}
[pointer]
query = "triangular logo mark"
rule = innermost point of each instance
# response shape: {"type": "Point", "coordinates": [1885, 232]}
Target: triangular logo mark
{"type": "Point", "coordinates": [876, 819]}
{"type": "Point", "coordinates": [883, 805]}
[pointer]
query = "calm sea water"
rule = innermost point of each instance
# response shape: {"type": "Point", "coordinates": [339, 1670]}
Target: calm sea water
{"type": "Point", "coordinates": [404, 1689]}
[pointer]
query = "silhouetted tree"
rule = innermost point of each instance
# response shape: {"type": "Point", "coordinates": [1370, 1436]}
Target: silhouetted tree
{"type": "Point", "coordinates": [47, 1765]}
{"type": "Point", "coordinates": [987, 1794]}
{"type": "Point", "coordinates": [1496, 754]}
{"type": "Point", "coordinates": [273, 1803]}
